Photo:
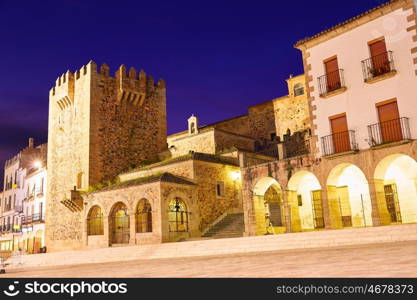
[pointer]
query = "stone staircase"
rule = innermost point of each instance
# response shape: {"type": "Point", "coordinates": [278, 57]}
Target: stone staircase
{"type": "Point", "coordinates": [230, 226]}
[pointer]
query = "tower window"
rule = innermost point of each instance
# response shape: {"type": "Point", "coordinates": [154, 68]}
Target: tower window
{"type": "Point", "coordinates": [298, 90]}
{"type": "Point", "coordinates": [220, 189]}
{"type": "Point", "coordinates": [80, 180]}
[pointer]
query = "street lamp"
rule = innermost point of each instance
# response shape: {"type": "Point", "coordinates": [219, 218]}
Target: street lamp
{"type": "Point", "coordinates": [37, 164]}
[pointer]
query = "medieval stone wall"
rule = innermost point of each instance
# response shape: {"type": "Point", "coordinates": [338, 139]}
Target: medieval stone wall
{"type": "Point", "coordinates": [226, 140]}
{"type": "Point", "coordinates": [210, 205]}
{"type": "Point", "coordinates": [292, 111]}
{"type": "Point", "coordinates": [262, 120]}
{"type": "Point", "coordinates": [129, 196]}
{"type": "Point", "coordinates": [98, 126]}
{"type": "Point", "coordinates": [203, 142]}
{"type": "Point", "coordinates": [125, 130]}
{"type": "Point", "coordinates": [238, 125]}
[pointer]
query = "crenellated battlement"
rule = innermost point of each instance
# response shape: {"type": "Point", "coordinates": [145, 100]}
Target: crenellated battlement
{"type": "Point", "coordinates": [64, 90]}
{"type": "Point", "coordinates": [132, 86]}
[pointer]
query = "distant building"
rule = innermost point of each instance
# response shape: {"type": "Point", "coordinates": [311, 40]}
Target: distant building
{"type": "Point", "coordinates": [32, 239]}
{"type": "Point", "coordinates": [15, 172]}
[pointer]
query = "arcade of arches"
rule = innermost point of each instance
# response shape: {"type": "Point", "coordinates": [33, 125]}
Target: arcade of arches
{"type": "Point", "coordinates": [122, 225]}
{"type": "Point", "coordinates": [342, 200]}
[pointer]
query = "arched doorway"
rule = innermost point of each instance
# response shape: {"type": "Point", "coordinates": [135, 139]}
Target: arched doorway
{"type": "Point", "coordinates": [305, 193]}
{"type": "Point", "coordinates": [178, 215]}
{"type": "Point", "coordinates": [396, 189]}
{"type": "Point", "coordinates": [269, 207]}
{"type": "Point", "coordinates": [348, 196]}
{"type": "Point", "coordinates": [95, 221]}
{"type": "Point", "coordinates": [143, 216]}
{"type": "Point", "coordinates": [119, 228]}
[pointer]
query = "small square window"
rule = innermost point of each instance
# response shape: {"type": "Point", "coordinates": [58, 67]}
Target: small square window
{"type": "Point", "coordinates": [220, 189]}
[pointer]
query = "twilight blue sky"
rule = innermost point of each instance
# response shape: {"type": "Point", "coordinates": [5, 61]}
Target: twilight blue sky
{"type": "Point", "coordinates": [217, 57]}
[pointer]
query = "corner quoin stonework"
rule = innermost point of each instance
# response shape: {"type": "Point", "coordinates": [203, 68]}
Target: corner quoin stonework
{"type": "Point", "coordinates": [98, 126]}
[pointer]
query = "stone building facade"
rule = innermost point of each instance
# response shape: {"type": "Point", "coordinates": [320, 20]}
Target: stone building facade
{"type": "Point", "coordinates": [205, 185]}
{"type": "Point", "coordinates": [115, 178]}
{"type": "Point", "coordinates": [261, 130]}
{"type": "Point", "coordinates": [99, 125]}
{"type": "Point", "coordinates": [12, 213]}
{"type": "Point", "coordinates": [361, 170]}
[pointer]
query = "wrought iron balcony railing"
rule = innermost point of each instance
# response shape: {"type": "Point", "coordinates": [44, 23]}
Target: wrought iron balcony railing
{"type": "Point", "coordinates": [389, 131]}
{"type": "Point", "coordinates": [32, 218]}
{"type": "Point", "coordinates": [331, 82]}
{"type": "Point", "coordinates": [6, 228]}
{"type": "Point", "coordinates": [378, 65]}
{"type": "Point", "coordinates": [339, 142]}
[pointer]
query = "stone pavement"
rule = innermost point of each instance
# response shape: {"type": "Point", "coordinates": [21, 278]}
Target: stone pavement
{"type": "Point", "coordinates": [232, 246]}
{"type": "Point", "coordinates": [373, 260]}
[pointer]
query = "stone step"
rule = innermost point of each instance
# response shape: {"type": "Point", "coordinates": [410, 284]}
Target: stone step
{"type": "Point", "coordinates": [225, 246]}
{"type": "Point", "coordinates": [231, 226]}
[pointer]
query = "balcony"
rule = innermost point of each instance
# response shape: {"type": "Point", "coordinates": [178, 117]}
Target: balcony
{"type": "Point", "coordinates": [339, 143]}
{"type": "Point", "coordinates": [39, 192]}
{"type": "Point", "coordinates": [389, 131]}
{"type": "Point", "coordinates": [378, 67]}
{"type": "Point", "coordinates": [332, 83]}
{"type": "Point", "coordinates": [7, 207]}
{"type": "Point", "coordinates": [5, 228]}
{"type": "Point", "coordinates": [18, 208]}
{"type": "Point", "coordinates": [34, 218]}
{"type": "Point", "coordinates": [30, 195]}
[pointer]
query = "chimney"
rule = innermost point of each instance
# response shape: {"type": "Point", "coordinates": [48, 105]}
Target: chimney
{"type": "Point", "coordinates": [31, 142]}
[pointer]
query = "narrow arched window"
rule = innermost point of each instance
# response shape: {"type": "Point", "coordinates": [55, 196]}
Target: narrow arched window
{"type": "Point", "coordinates": [80, 180]}
{"type": "Point", "coordinates": [143, 216]}
{"type": "Point", "coordinates": [95, 221]}
{"type": "Point", "coordinates": [178, 215]}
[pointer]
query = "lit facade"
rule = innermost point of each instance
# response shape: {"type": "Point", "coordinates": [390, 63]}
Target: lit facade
{"type": "Point", "coordinates": [14, 194]}
{"type": "Point", "coordinates": [32, 238]}
{"type": "Point", "coordinates": [361, 169]}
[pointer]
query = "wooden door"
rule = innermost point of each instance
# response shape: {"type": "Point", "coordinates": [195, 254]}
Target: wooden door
{"type": "Point", "coordinates": [344, 205]}
{"type": "Point", "coordinates": [379, 57]}
{"type": "Point", "coordinates": [317, 206]}
{"type": "Point", "coordinates": [393, 205]}
{"type": "Point", "coordinates": [340, 134]}
{"type": "Point", "coordinates": [120, 228]}
{"type": "Point", "coordinates": [275, 213]}
{"type": "Point", "coordinates": [332, 74]}
{"type": "Point", "coordinates": [389, 119]}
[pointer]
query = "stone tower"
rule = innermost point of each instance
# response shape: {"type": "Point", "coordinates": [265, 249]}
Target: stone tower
{"type": "Point", "coordinates": [99, 125]}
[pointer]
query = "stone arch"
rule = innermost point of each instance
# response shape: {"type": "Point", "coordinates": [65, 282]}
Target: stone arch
{"type": "Point", "coordinates": [395, 179]}
{"type": "Point", "coordinates": [119, 225]}
{"type": "Point", "coordinates": [348, 197]}
{"type": "Point", "coordinates": [143, 216]}
{"type": "Point", "coordinates": [178, 215]}
{"type": "Point", "coordinates": [268, 204]}
{"type": "Point", "coordinates": [95, 225]}
{"type": "Point", "coordinates": [304, 192]}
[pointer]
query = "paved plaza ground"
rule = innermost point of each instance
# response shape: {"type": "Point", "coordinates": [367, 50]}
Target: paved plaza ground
{"type": "Point", "coordinates": [376, 260]}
